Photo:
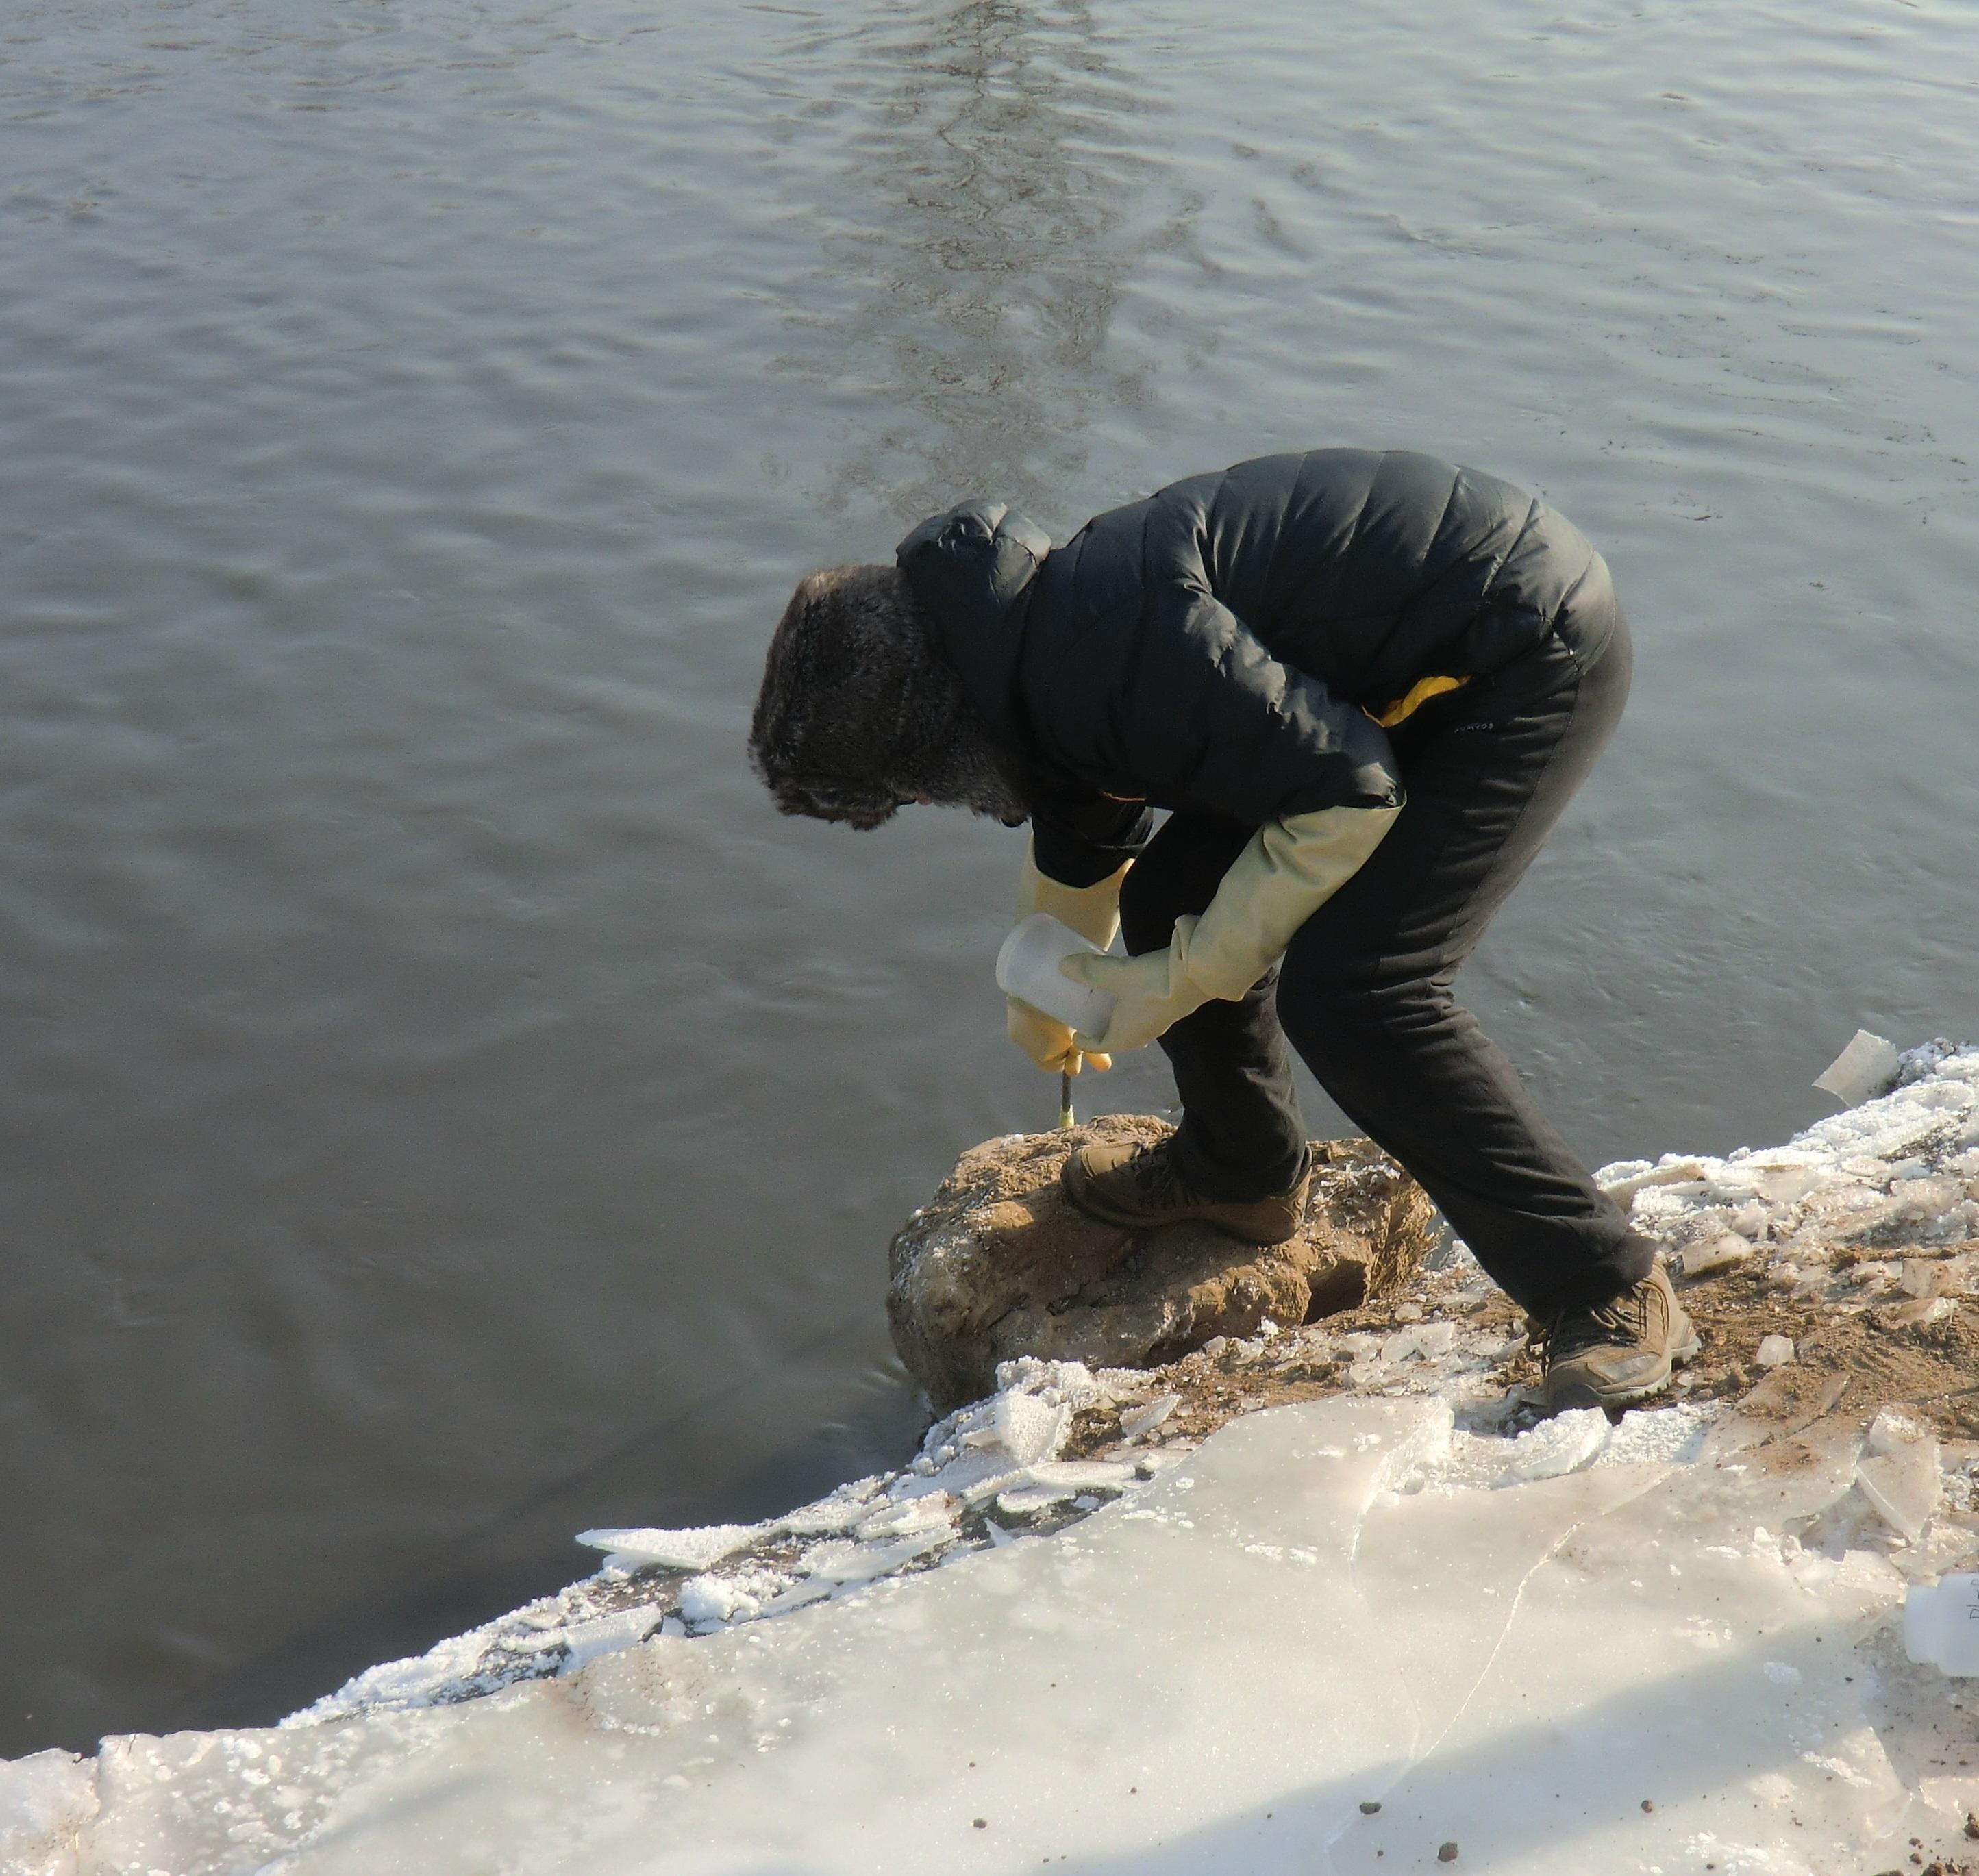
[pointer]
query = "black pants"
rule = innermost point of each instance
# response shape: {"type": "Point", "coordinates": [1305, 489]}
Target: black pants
{"type": "Point", "coordinates": [1364, 990]}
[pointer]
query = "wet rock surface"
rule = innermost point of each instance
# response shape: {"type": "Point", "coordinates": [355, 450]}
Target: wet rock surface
{"type": "Point", "coordinates": [999, 1264]}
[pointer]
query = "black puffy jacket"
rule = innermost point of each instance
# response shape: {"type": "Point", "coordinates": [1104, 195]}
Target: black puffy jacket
{"type": "Point", "coordinates": [1237, 640]}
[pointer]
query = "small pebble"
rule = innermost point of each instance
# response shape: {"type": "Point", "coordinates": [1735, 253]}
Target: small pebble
{"type": "Point", "coordinates": [983, 1824]}
{"type": "Point", "coordinates": [1368, 1807]}
{"type": "Point", "coordinates": [1447, 1854]}
{"type": "Point", "coordinates": [1648, 1804]}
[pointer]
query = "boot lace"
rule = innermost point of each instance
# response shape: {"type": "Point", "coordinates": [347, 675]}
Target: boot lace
{"type": "Point", "coordinates": [1575, 1327]}
{"type": "Point", "coordinates": [1156, 1183]}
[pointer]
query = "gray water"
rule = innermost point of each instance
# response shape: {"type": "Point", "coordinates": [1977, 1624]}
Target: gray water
{"type": "Point", "coordinates": [443, 1107]}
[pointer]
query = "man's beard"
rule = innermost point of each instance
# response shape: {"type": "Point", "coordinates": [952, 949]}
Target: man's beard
{"type": "Point", "coordinates": [970, 772]}
{"type": "Point", "coordinates": [962, 768]}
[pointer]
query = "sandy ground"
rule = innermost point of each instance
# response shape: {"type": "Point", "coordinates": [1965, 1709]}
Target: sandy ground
{"type": "Point", "coordinates": [1873, 1355]}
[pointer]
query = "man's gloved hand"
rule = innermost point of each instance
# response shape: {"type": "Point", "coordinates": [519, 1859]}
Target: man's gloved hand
{"type": "Point", "coordinates": [1151, 991]}
{"type": "Point", "coordinates": [1094, 912]}
{"type": "Point", "coordinates": [1047, 1041]}
{"type": "Point", "coordinates": [1289, 871]}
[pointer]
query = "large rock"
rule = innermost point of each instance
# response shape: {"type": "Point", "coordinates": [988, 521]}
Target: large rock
{"type": "Point", "coordinates": [998, 1264]}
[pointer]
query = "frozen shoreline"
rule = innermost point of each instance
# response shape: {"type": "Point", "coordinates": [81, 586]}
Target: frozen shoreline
{"type": "Point", "coordinates": [1791, 1505]}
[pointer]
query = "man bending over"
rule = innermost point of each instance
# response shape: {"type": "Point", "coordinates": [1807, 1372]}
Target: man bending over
{"type": "Point", "coordinates": [1365, 684]}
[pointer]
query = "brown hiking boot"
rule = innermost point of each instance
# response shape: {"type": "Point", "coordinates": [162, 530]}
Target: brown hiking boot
{"type": "Point", "coordinates": [1607, 1354]}
{"type": "Point", "coordinates": [1131, 1184]}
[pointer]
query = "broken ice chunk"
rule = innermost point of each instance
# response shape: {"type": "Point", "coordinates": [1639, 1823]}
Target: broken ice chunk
{"type": "Point", "coordinates": [1920, 1311]}
{"type": "Point", "coordinates": [1775, 1350]}
{"type": "Point", "coordinates": [1892, 1430]}
{"type": "Point", "coordinates": [1939, 1623]}
{"type": "Point", "coordinates": [709, 1599]}
{"type": "Point", "coordinates": [965, 1478]}
{"type": "Point", "coordinates": [1864, 1069]}
{"type": "Point", "coordinates": [1082, 1475]}
{"type": "Point", "coordinates": [1045, 1486]}
{"type": "Point", "coordinates": [1556, 1447]}
{"type": "Point", "coordinates": [1659, 1436]}
{"type": "Point", "coordinates": [1748, 1220]}
{"type": "Point", "coordinates": [1773, 1181]}
{"type": "Point", "coordinates": [1071, 1382]}
{"type": "Point", "coordinates": [1874, 1275]}
{"type": "Point", "coordinates": [848, 1563]}
{"type": "Point", "coordinates": [809, 1590]}
{"type": "Point", "coordinates": [1138, 1421]}
{"type": "Point", "coordinates": [605, 1634]}
{"type": "Point", "coordinates": [1788, 1400]}
{"type": "Point", "coordinates": [1919, 1277]}
{"type": "Point", "coordinates": [934, 1511]}
{"type": "Point", "coordinates": [1712, 1254]}
{"type": "Point", "coordinates": [1029, 1429]}
{"type": "Point", "coordinates": [1634, 1176]}
{"type": "Point", "coordinates": [1025, 1501]}
{"type": "Point", "coordinates": [1898, 1473]}
{"type": "Point", "coordinates": [1426, 1342]}
{"type": "Point", "coordinates": [1951, 1276]}
{"type": "Point", "coordinates": [846, 1507]}
{"type": "Point", "coordinates": [646, 1548]}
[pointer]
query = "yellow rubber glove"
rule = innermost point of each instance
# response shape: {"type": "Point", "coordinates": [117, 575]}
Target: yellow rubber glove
{"type": "Point", "coordinates": [1094, 912]}
{"type": "Point", "coordinates": [1289, 871]}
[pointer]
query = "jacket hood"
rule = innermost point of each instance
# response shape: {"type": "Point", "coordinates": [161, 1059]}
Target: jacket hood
{"type": "Point", "coordinates": [973, 566]}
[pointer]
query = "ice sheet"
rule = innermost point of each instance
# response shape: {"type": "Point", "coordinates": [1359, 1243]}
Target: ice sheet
{"type": "Point", "coordinates": [46, 1800]}
{"type": "Point", "coordinates": [1214, 1675]}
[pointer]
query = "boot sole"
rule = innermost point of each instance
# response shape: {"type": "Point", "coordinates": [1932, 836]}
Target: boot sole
{"type": "Point", "coordinates": [1580, 1394]}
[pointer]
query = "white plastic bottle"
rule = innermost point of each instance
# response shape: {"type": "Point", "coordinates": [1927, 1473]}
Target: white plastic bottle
{"type": "Point", "coordinates": [1027, 968]}
{"type": "Point", "coordinates": [1941, 1623]}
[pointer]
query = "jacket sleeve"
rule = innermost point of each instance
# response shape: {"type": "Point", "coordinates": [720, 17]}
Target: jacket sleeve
{"type": "Point", "coordinates": [1079, 842]}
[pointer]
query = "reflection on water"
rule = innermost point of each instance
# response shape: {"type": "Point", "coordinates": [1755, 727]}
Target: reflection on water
{"type": "Point", "coordinates": [975, 246]}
